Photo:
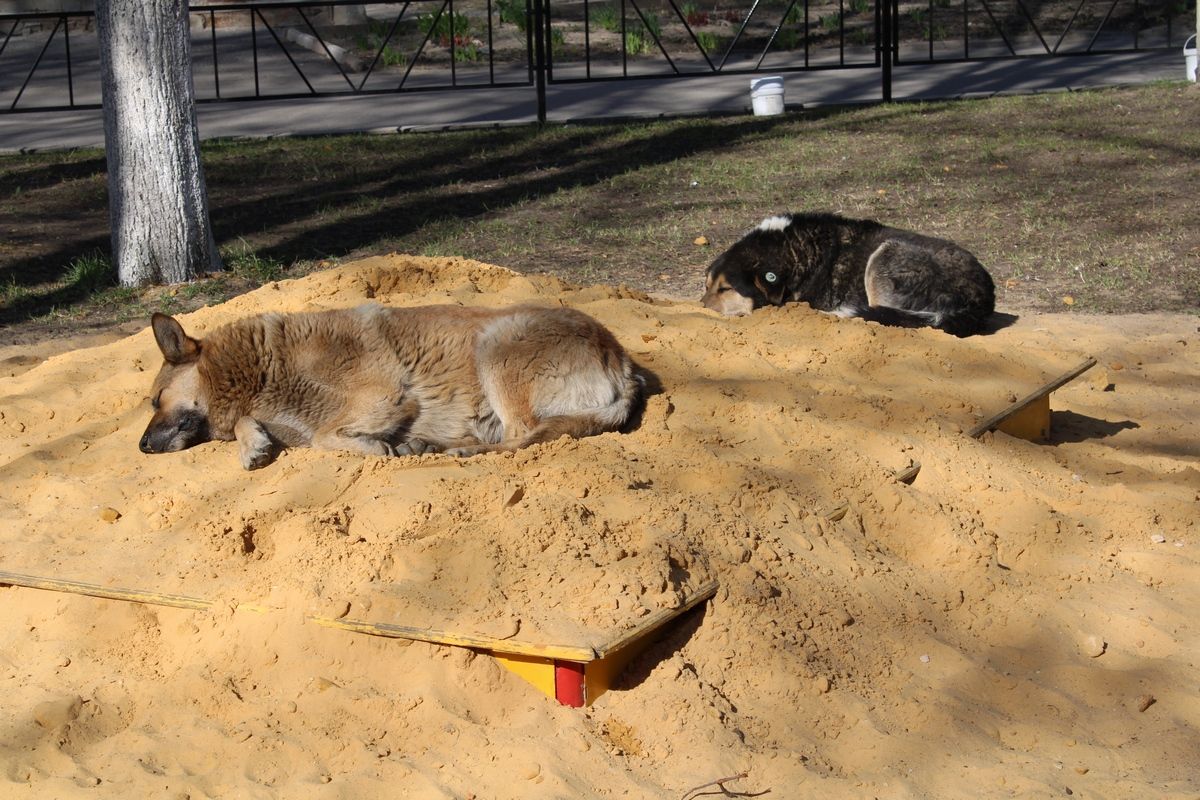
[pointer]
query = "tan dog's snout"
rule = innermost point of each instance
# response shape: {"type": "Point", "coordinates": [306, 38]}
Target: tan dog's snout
{"type": "Point", "coordinates": [169, 433]}
{"type": "Point", "coordinates": [180, 412]}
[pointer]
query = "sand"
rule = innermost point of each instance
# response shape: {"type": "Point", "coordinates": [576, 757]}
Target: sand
{"type": "Point", "coordinates": [997, 628]}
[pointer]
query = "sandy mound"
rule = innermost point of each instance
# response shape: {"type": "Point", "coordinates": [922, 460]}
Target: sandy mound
{"type": "Point", "coordinates": [993, 630]}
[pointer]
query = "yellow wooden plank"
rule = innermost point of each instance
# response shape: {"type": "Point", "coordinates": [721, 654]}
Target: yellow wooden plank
{"type": "Point", "coordinates": [538, 671]}
{"type": "Point", "coordinates": [655, 621]}
{"type": "Point", "coordinates": [992, 422]}
{"type": "Point", "coordinates": [614, 656]}
{"type": "Point", "coordinates": [107, 592]}
{"type": "Point", "coordinates": [513, 650]}
{"type": "Point", "coordinates": [434, 636]}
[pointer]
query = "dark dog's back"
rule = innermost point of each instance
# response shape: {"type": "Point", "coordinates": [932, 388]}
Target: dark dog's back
{"type": "Point", "coordinates": [853, 267]}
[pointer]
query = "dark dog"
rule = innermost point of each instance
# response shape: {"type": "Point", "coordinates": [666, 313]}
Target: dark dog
{"type": "Point", "coordinates": [390, 381]}
{"type": "Point", "coordinates": [853, 268]}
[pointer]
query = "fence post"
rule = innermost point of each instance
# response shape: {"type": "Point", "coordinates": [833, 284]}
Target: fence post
{"type": "Point", "coordinates": [539, 57]}
{"type": "Point", "coordinates": [886, 38]}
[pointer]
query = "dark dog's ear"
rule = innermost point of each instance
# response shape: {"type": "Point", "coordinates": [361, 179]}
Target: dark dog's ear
{"type": "Point", "coordinates": [771, 284]}
{"type": "Point", "coordinates": [176, 346]}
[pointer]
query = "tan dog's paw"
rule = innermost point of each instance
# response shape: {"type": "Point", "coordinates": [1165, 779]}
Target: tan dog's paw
{"type": "Point", "coordinates": [254, 443]}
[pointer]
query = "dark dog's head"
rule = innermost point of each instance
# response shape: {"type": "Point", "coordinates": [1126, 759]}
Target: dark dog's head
{"type": "Point", "coordinates": [750, 274]}
{"type": "Point", "coordinates": [180, 409]}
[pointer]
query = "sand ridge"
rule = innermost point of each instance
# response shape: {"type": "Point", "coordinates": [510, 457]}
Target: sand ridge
{"type": "Point", "coordinates": [938, 640]}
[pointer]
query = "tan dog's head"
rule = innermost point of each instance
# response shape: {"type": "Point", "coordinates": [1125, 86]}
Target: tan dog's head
{"type": "Point", "coordinates": [180, 409]}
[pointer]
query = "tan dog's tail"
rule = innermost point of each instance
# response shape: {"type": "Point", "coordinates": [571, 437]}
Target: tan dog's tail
{"type": "Point", "coordinates": [608, 418]}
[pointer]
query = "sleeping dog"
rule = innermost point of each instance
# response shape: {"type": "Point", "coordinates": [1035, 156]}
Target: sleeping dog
{"type": "Point", "coordinates": [390, 381]}
{"type": "Point", "coordinates": [853, 268]}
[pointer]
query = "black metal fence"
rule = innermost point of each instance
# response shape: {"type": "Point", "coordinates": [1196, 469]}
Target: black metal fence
{"type": "Point", "coordinates": [280, 50]}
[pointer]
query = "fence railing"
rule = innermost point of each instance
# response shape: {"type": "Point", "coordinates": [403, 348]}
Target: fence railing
{"type": "Point", "coordinates": [301, 49]}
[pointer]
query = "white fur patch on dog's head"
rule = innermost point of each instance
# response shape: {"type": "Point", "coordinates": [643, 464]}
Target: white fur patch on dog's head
{"type": "Point", "coordinates": [776, 223]}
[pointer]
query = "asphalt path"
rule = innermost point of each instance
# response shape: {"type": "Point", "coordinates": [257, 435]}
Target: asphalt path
{"type": "Point", "coordinates": [483, 106]}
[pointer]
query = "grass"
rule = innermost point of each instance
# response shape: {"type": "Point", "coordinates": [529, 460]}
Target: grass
{"type": "Point", "coordinates": [241, 260]}
{"type": "Point", "coordinates": [90, 273]}
{"type": "Point", "coordinates": [1089, 195]}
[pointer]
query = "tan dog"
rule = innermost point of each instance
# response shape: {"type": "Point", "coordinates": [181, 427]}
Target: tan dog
{"type": "Point", "coordinates": [390, 381]}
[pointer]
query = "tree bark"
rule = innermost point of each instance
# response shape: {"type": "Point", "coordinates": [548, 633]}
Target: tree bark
{"type": "Point", "coordinates": [158, 204]}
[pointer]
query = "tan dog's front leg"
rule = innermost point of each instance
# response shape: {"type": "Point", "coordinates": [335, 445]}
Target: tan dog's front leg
{"type": "Point", "coordinates": [254, 443]}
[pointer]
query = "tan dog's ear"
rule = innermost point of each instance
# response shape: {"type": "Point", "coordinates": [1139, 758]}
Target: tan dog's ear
{"type": "Point", "coordinates": [176, 346]}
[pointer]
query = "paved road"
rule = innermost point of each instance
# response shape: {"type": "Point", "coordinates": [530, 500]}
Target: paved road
{"type": "Point", "coordinates": [603, 100]}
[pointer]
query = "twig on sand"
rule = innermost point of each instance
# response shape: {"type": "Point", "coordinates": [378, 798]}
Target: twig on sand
{"type": "Point", "coordinates": [718, 782]}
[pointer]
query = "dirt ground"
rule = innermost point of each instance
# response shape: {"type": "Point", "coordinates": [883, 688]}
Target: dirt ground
{"type": "Point", "coordinates": [1020, 621]}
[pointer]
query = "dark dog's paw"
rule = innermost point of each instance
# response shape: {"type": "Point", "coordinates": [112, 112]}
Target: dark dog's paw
{"type": "Point", "coordinates": [414, 447]}
{"type": "Point", "coordinates": [467, 452]}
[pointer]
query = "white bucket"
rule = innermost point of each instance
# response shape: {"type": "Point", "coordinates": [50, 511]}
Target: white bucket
{"type": "Point", "coordinates": [1189, 58]}
{"type": "Point", "coordinates": [766, 96]}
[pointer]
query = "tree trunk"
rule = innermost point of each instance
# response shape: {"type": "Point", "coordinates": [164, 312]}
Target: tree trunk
{"type": "Point", "coordinates": [158, 205]}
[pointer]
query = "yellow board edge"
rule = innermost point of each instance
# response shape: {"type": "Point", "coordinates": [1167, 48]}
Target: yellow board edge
{"type": "Point", "coordinates": [537, 671]}
{"type": "Point", "coordinates": [1031, 423]}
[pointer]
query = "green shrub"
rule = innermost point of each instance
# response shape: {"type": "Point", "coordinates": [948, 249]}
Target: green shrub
{"type": "Point", "coordinates": [654, 25]}
{"type": "Point", "coordinates": [512, 12]}
{"type": "Point", "coordinates": [636, 42]}
{"type": "Point", "coordinates": [467, 53]}
{"type": "Point", "coordinates": [440, 27]}
{"type": "Point", "coordinates": [694, 16]}
{"type": "Point", "coordinates": [788, 38]}
{"type": "Point", "coordinates": [607, 18]}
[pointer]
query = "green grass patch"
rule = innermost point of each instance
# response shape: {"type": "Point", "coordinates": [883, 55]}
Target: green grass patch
{"type": "Point", "coordinates": [90, 273]}
{"type": "Point", "coordinates": [1086, 194]}
{"type": "Point", "coordinates": [241, 260]}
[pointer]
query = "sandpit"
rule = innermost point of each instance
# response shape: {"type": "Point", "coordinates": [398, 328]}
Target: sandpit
{"type": "Point", "coordinates": [1020, 621]}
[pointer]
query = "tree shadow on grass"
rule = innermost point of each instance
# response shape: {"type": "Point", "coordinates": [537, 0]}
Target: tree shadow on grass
{"type": "Point", "coordinates": [331, 197]}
